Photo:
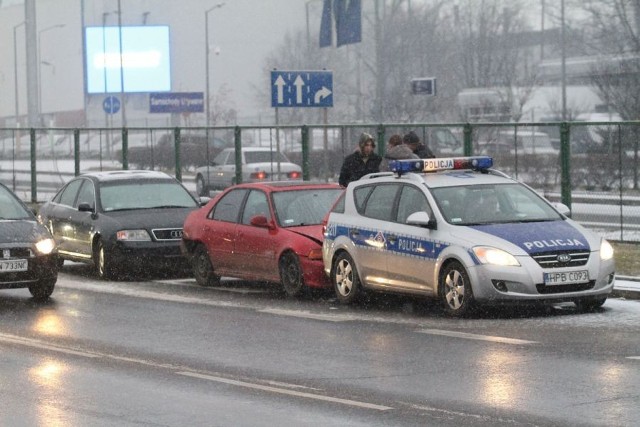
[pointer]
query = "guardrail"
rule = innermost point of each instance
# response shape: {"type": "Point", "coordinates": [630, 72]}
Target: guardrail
{"type": "Point", "coordinates": [559, 159]}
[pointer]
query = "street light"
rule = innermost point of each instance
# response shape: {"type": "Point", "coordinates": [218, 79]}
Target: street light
{"type": "Point", "coordinates": [53, 27]}
{"type": "Point", "coordinates": [15, 69]}
{"type": "Point", "coordinates": [206, 37]}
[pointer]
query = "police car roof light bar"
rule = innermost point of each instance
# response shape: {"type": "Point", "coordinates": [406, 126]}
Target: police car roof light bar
{"type": "Point", "coordinates": [440, 164]}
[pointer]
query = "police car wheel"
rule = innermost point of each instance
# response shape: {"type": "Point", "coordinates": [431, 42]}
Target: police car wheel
{"type": "Point", "coordinates": [202, 269]}
{"type": "Point", "coordinates": [291, 274]}
{"type": "Point", "coordinates": [346, 281]}
{"type": "Point", "coordinates": [455, 290]}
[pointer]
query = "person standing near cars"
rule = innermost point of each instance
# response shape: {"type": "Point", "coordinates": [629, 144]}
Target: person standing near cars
{"type": "Point", "coordinates": [361, 162]}
{"type": "Point", "coordinates": [418, 148]}
{"type": "Point", "coordinates": [396, 150]}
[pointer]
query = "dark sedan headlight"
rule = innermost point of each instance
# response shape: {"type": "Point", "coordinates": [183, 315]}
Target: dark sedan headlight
{"type": "Point", "coordinates": [137, 235]}
{"type": "Point", "coordinates": [45, 246]}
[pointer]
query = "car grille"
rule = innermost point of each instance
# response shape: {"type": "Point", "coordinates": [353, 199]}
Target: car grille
{"type": "Point", "coordinates": [15, 253]}
{"type": "Point", "coordinates": [167, 233]}
{"type": "Point", "coordinates": [558, 289]}
{"type": "Point", "coordinates": [554, 259]}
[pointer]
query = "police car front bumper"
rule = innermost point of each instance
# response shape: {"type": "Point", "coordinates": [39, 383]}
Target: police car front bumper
{"type": "Point", "coordinates": [527, 282]}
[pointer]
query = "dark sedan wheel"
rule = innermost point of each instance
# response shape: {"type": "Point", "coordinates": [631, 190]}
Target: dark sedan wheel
{"type": "Point", "coordinates": [103, 262]}
{"type": "Point", "coordinates": [201, 188]}
{"type": "Point", "coordinates": [345, 279]}
{"type": "Point", "coordinates": [455, 290]}
{"type": "Point", "coordinates": [291, 274]}
{"type": "Point", "coordinates": [202, 268]}
{"type": "Point", "coordinates": [43, 289]}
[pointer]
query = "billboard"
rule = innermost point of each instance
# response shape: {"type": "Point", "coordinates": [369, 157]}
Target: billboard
{"type": "Point", "coordinates": [146, 61]}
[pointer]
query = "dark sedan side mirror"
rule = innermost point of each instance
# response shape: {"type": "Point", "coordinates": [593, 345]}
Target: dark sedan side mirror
{"type": "Point", "coordinates": [261, 221]}
{"type": "Point", "coordinates": [85, 207]}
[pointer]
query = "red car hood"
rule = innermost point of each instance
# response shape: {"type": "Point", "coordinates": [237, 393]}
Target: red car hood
{"type": "Point", "coordinates": [314, 232]}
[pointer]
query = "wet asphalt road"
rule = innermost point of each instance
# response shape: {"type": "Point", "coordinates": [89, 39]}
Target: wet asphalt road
{"type": "Point", "coordinates": [164, 351]}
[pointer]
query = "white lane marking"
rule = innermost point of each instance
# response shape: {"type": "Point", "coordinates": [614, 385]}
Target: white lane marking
{"type": "Point", "coordinates": [278, 383]}
{"type": "Point", "coordinates": [634, 357]}
{"type": "Point", "coordinates": [286, 391]}
{"type": "Point", "coordinates": [447, 412]}
{"type": "Point", "coordinates": [33, 343]}
{"type": "Point", "coordinates": [469, 336]}
{"type": "Point", "coordinates": [307, 315]}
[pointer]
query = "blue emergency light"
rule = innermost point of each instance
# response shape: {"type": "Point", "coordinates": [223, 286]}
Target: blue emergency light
{"type": "Point", "coordinates": [441, 164]}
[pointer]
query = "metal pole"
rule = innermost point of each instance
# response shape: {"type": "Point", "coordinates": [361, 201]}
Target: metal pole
{"type": "Point", "coordinates": [39, 69]}
{"type": "Point", "coordinates": [122, 93]}
{"type": "Point", "coordinates": [563, 62]}
{"type": "Point", "coordinates": [15, 71]}
{"type": "Point", "coordinates": [206, 56]}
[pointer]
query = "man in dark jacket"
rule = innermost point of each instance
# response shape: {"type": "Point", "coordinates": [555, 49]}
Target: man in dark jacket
{"type": "Point", "coordinates": [418, 148]}
{"type": "Point", "coordinates": [396, 150]}
{"type": "Point", "coordinates": [363, 161]}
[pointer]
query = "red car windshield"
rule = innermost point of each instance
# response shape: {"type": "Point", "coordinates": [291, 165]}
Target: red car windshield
{"type": "Point", "coordinates": [304, 207]}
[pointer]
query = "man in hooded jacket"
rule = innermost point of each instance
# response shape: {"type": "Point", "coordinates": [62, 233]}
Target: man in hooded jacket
{"type": "Point", "coordinates": [361, 162]}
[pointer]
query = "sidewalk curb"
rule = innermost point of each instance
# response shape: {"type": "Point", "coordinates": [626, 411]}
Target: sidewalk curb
{"type": "Point", "coordinates": [629, 290]}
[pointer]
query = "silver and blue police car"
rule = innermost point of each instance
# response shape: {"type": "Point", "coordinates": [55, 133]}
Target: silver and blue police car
{"type": "Point", "coordinates": [460, 231]}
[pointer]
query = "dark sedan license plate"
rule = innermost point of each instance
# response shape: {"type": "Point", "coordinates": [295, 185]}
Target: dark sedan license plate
{"type": "Point", "coordinates": [13, 265]}
{"type": "Point", "coordinates": [566, 277]}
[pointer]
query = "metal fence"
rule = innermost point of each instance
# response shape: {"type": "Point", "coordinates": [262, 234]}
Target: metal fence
{"type": "Point", "coordinates": [592, 167]}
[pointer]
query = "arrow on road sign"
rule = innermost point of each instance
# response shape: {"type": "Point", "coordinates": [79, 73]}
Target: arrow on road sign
{"type": "Point", "coordinates": [280, 83]}
{"type": "Point", "coordinates": [321, 94]}
{"type": "Point", "coordinates": [301, 88]}
{"type": "Point", "coordinates": [298, 84]}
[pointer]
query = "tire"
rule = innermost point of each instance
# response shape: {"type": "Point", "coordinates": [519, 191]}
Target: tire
{"type": "Point", "coordinates": [455, 290]}
{"type": "Point", "coordinates": [291, 275]}
{"type": "Point", "coordinates": [103, 262]}
{"type": "Point", "coordinates": [202, 268]}
{"type": "Point", "coordinates": [42, 290]}
{"type": "Point", "coordinates": [59, 262]}
{"type": "Point", "coordinates": [201, 188]}
{"type": "Point", "coordinates": [589, 304]}
{"type": "Point", "coordinates": [345, 279]}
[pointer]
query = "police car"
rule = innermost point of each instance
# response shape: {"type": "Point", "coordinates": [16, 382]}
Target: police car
{"type": "Point", "coordinates": [460, 231]}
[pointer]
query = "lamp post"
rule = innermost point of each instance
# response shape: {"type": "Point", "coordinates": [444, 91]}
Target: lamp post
{"type": "Point", "coordinates": [563, 64]}
{"type": "Point", "coordinates": [40, 62]}
{"type": "Point", "coordinates": [15, 70]}
{"type": "Point", "coordinates": [206, 37]}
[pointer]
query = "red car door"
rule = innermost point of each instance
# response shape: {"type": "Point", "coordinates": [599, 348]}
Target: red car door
{"type": "Point", "coordinates": [255, 247]}
{"type": "Point", "coordinates": [220, 230]}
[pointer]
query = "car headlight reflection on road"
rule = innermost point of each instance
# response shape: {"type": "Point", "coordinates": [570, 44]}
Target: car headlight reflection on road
{"type": "Point", "coordinates": [606, 250]}
{"type": "Point", "coordinates": [139, 235]}
{"type": "Point", "coordinates": [493, 256]}
{"type": "Point", "coordinates": [45, 246]}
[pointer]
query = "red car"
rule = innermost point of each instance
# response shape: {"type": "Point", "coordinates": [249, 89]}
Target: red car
{"type": "Point", "coordinates": [268, 231]}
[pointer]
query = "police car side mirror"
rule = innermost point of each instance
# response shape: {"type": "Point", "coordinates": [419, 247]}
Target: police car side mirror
{"type": "Point", "coordinates": [421, 219]}
{"type": "Point", "coordinates": [562, 208]}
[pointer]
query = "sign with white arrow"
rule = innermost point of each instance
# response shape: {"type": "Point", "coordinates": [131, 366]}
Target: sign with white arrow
{"type": "Point", "coordinates": [301, 89]}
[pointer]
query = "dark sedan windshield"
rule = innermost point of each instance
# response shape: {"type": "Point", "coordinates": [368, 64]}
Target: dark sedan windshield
{"type": "Point", "coordinates": [304, 207]}
{"type": "Point", "coordinates": [487, 204]}
{"type": "Point", "coordinates": [144, 195]}
{"type": "Point", "coordinates": [10, 208]}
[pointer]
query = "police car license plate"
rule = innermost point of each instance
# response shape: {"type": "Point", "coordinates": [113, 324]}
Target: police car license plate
{"type": "Point", "coordinates": [566, 277]}
{"type": "Point", "coordinates": [13, 265]}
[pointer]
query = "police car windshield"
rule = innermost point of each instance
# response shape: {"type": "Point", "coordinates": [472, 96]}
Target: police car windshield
{"type": "Point", "coordinates": [492, 203]}
{"type": "Point", "coordinates": [304, 207]}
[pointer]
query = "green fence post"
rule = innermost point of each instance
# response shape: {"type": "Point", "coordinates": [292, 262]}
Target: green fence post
{"type": "Point", "coordinates": [34, 183]}
{"type": "Point", "coordinates": [176, 141]}
{"type": "Point", "coordinates": [306, 174]}
{"type": "Point", "coordinates": [76, 152]}
{"type": "Point", "coordinates": [565, 163]}
{"type": "Point", "coordinates": [381, 144]}
{"type": "Point", "coordinates": [467, 133]}
{"type": "Point", "coordinates": [125, 148]}
{"type": "Point", "coordinates": [238, 149]}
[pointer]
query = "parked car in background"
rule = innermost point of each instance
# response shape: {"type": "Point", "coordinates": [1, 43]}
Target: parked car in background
{"type": "Point", "coordinates": [29, 257]}
{"type": "Point", "coordinates": [162, 154]}
{"type": "Point", "coordinates": [261, 231]}
{"type": "Point", "coordinates": [259, 164]}
{"type": "Point", "coordinates": [120, 221]}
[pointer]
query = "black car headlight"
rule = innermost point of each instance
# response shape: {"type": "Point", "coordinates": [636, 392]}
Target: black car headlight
{"type": "Point", "coordinates": [137, 235]}
{"type": "Point", "coordinates": [45, 246]}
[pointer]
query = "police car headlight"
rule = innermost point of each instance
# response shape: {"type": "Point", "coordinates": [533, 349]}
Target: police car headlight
{"type": "Point", "coordinates": [140, 235]}
{"type": "Point", "coordinates": [493, 256]}
{"type": "Point", "coordinates": [606, 250]}
{"type": "Point", "coordinates": [45, 246]}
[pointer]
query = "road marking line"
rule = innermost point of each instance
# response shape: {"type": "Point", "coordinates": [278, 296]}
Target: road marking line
{"type": "Point", "coordinates": [469, 336]}
{"type": "Point", "coordinates": [29, 342]}
{"type": "Point", "coordinates": [286, 391]}
{"type": "Point", "coordinates": [634, 357]}
{"type": "Point", "coordinates": [306, 315]}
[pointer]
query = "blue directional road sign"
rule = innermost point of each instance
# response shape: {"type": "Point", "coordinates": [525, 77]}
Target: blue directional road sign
{"type": "Point", "coordinates": [301, 89]}
{"type": "Point", "coordinates": [111, 105]}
